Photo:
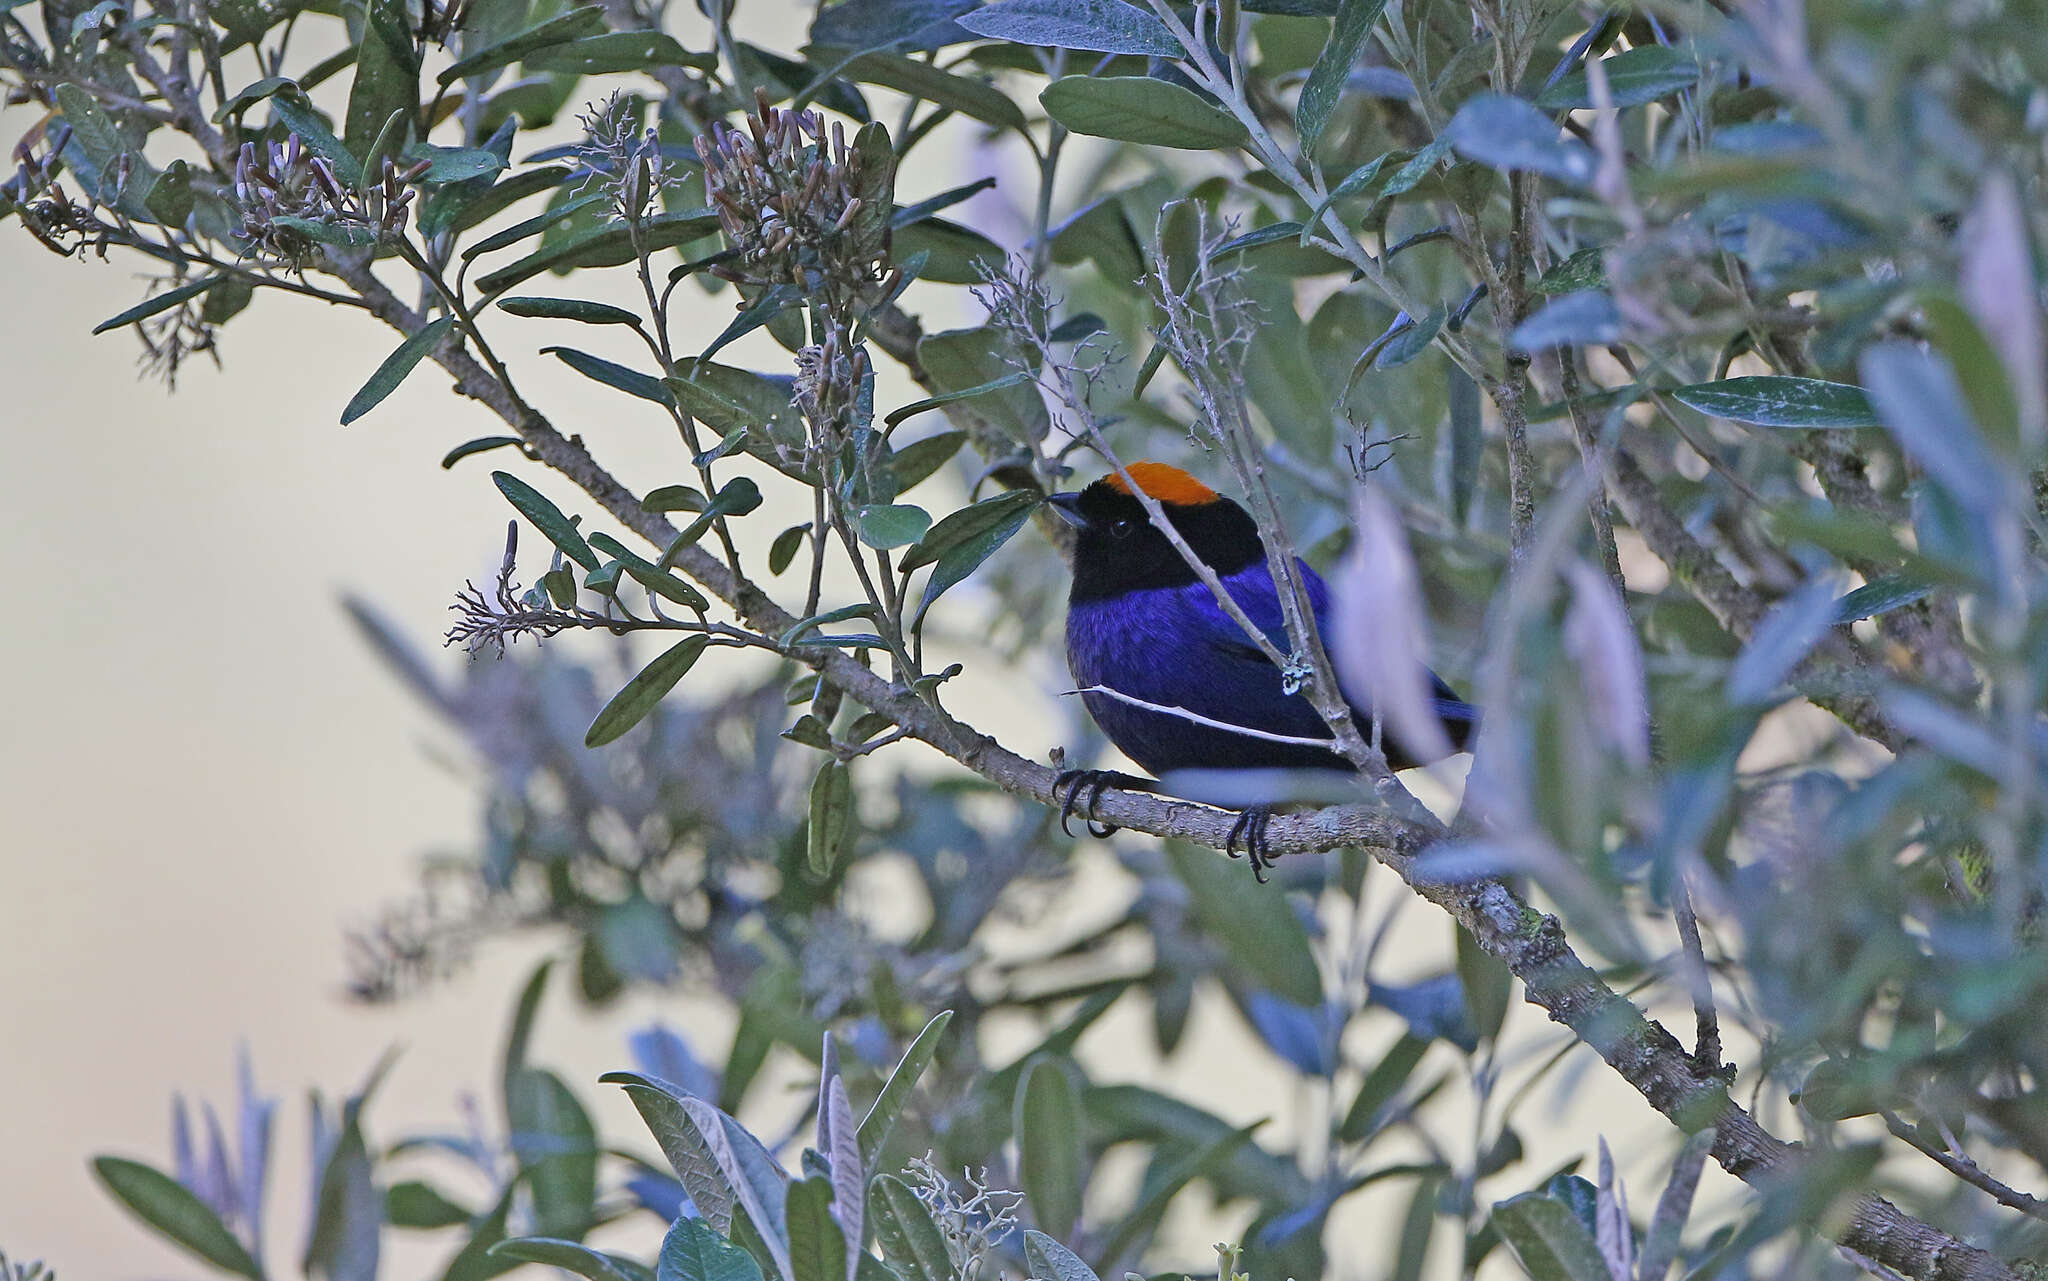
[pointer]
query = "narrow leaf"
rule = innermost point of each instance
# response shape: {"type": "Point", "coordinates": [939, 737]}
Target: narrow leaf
{"type": "Point", "coordinates": [888, 1105]}
{"type": "Point", "coordinates": [164, 1204]}
{"type": "Point", "coordinates": [544, 516]}
{"type": "Point", "coordinates": [164, 301]}
{"type": "Point", "coordinates": [1355, 19]}
{"type": "Point", "coordinates": [1773, 400]}
{"type": "Point", "coordinates": [631, 704]}
{"type": "Point", "coordinates": [395, 368]}
{"type": "Point", "coordinates": [1139, 109]}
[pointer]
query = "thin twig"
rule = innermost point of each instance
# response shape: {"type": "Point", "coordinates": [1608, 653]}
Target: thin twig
{"type": "Point", "coordinates": [1196, 718]}
{"type": "Point", "coordinates": [1965, 1169]}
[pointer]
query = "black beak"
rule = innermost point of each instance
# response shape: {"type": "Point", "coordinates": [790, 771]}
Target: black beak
{"type": "Point", "coordinates": [1068, 507]}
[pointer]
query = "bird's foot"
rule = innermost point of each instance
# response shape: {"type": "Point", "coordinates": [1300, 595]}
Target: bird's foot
{"type": "Point", "coordinates": [1094, 782]}
{"type": "Point", "coordinates": [1250, 833]}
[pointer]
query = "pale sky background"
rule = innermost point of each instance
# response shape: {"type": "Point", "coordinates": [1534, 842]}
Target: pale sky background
{"type": "Point", "coordinates": [206, 776]}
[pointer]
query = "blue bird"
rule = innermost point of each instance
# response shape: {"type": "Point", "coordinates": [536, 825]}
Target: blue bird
{"type": "Point", "coordinates": [1140, 622]}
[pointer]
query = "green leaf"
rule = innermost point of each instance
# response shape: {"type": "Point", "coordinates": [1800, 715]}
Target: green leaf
{"type": "Point", "coordinates": [1048, 1129]}
{"type": "Point", "coordinates": [961, 360]}
{"type": "Point", "coordinates": [617, 51]}
{"type": "Point", "coordinates": [291, 108]}
{"type": "Point", "coordinates": [417, 1204]}
{"type": "Point", "coordinates": [661, 1106]}
{"type": "Point", "coordinates": [480, 445]}
{"type": "Point", "coordinates": [250, 96]}
{"type": "Point", "coordinates": [919, 460]}
{"type": "Point", "coordinates": [1634, 77]}
{"type": "Point", "coordinates": [348, 235]}
{"type": "Point", "coordinates": [610, 245]}
{"type": "Point", "coordinates": [1881, 596]}
{"type": "Point", "coordinates": [164, 1204]}
{"type": "Point", "coordinates": [577, 309]}
{"type": "Point", "coordinates": [618, 377]}
{"type": "Point", "coordinates": [1260, 932]}
{"type": "Point", "coordinates": [473, 1262]}
{"type": "Point", "coordinates": [557, 1149]}
{"type": "Point", "coordinates": [164, 301]}
{"type": "Point", "coordinates": [631, 704]}
{"type": "Point", "coordinates": [817, 1246]}
{"type": "Point", "coordinates": [348, 1210]}
{"type": "Point", "coordinates": [832, 817]}
{"type": "Point", "coordinates": [649, 575]}
{"type": "Point", "coordinates": [458, 208]}
{"type": "Point", "coordinates": [959, 544]}
{"type": "Point", "coordinates": [531, 226]}
{"type": "Point", "coordinates": [1153, 113]}
{"type": "Point", "coordinates": [736, 497]}
{"type": "Point", "coordinates": [786, 545]}
{"type": "Point", "coordinates": [1355, 19]}
{"type": "Point", "coordinates": [395, 368]}
{"type": "Point", "coordinates": [693, 1251]}
{"type": "Point", "coordinates": [1098, 26]}
{"type": "Point", "coordinates": [170, 199]}
{"type": "Point", "coordinates": [1548, 1239]}
{"type": "Point", "coordinates": [1772, 400]}
{"type": "Point", "coordinates": [1584, 319]}
{"type": "Point", "coordinates": [545, 517]}
{"type": "Point", "coordinates": [454, 164]}
{"type": "Point", "coordinates": [761, 311]}
{"type": "Point", "coordinates": [1013, 379]}
{"type": "Point", "coordinates": [1586, 269]}
{"type": "Point", "coordinates": [387, 81]}
{"type": "Point", "coordinates": [975, 99]}
{"type": "Point", "coordinates": [886, 525]}
{"type": "Point", "coordinates": [726, 399]}
{"type": "Point", "coordinates": [1380, 1086]}
{"type": "Point", "coordinates": [954, 255]}
{"type": "Point", "coordinates": [571, 1257]}
{"type": "Point", "coordinates": [910, 1240]}
{"type": "Point", "coordinates": [1507, 133]}
{"type": "Point", "coordinates": [573, 25]}
{"type": "Point", "coordinates": [1051, 1261]}
{"type": "Point", "coordinates": [881, 1118]}
{"type": "Point", "coordinates": [1263, 236]}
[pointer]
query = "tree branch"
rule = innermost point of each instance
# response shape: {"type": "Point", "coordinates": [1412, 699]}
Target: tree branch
{"type": "Point", "coordinates": [1532, 944]}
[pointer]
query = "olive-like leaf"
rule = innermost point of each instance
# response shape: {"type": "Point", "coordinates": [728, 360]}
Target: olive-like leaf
{"type": "Point", "coordinates": [165, 1204]}
{"type": "Point", "coordinates": [394, 369]}
{"type": "Point", "coordinates": [1153, 113]}
{"type": "Point", "coordinates": [631, 704]}
{"type": "Point", "coordinates": [544, 516]}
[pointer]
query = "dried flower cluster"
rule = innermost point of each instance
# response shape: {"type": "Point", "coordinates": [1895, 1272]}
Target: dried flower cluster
{"type": "Point", "coordinates": [623, 157]}
{"type": "Point", "coordinates": [292, 202]}
{"type": "Point", "coordinates": [802, 211]}
{"type": "Point", "coordinates": [972, 1221]}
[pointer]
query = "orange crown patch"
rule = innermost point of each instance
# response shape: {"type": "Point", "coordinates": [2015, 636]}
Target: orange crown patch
{"type": "Point", "coordinates": [1165, 483]}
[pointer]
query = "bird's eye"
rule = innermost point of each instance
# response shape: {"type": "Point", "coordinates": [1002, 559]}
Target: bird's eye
{"type": "Point", "coordinates": [1121, 529]}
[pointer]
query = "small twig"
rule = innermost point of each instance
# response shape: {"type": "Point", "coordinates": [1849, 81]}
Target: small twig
{"type": "Point", "coordinates": [1964, 1168]}
{"type": "Point", "coordinates": [1589, 455]}
{"type": "Point", "coordinates": [1706, 1049]}
{"type": "Point", "coordinates": [1196, 718]}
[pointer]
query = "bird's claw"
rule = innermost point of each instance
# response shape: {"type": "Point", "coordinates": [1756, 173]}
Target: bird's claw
{"type": "Point", "coordinates": [1249, 832]}
{"type": "Point", "coordinates": [1094, 782]}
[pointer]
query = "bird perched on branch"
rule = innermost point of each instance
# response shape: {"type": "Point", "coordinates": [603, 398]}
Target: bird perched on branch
{"type": "Point", "coordinates": [1142, 623]}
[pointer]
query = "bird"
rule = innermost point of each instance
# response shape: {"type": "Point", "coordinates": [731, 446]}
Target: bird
{"type": "Point", "coordinates": [1140, 621]}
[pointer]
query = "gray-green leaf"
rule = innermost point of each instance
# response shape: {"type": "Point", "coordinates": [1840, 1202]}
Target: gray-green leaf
{"type": "Point", "coordinates": [631, 704]}
{"type": "Point", "coordinates": [1153, 113]}
{"type": "Point", "coordinates": [394, 369]}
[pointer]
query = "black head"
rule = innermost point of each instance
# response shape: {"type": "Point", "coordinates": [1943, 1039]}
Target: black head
{"type": "Point", "coordinates": [1118, 549]}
